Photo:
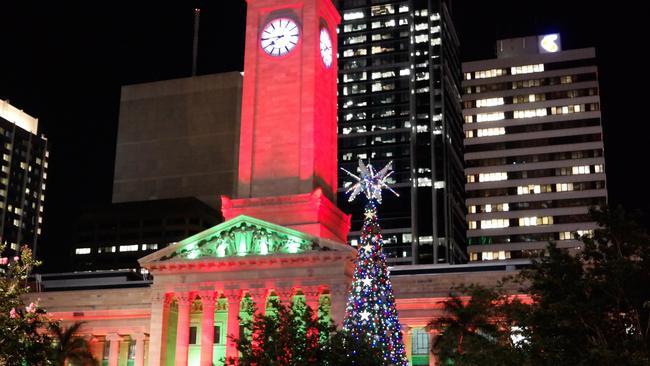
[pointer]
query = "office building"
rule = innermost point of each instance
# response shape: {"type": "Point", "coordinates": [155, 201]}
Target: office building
{"type": "Point", "coordinates": [399, 100]}
{"type": "Point", "coordinates": [22, 179]}
{"type": "Point", "coordinates": [176, 155]}
{"type": "Point", "coordinates": [533, 147]}
{"type": "Point", "coordinates": [178, 138]}
{"type": "Point", "coordinates": [116, 235]}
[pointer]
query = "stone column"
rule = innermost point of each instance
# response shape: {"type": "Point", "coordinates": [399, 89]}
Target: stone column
{"type": "Point", "coordinates": [408, 342]}
{"type": "Point", "coordinates": [259, 298]}
{"type": "Point", "coordinates": [139, 348]}
{"type": "Point", "coordinates": [312, 298]}
{"type": "Point", "coordinates": [114, 350]}
{"type": "Point", "coordinates": [207, 328]}
{"type": "Point", "coordinates": [432, 338]}
{"type": "Point", "coordinates": [183, 328]}
{"type": "Point", "coordinates": [158, 328]}
{"type": "Point", "coordinates": [338, 298]}
{"type": "Point", "coordinates": [234, 303]}
{"type": "Point", "coordinates": [285, 295]}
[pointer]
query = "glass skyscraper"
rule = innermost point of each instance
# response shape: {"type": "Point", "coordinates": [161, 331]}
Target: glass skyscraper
{"type": "Point", "coordinates": [399, 100]}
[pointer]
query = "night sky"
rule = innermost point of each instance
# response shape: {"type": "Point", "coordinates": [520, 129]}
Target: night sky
{"type": "Point", "coordinates": [65, 63]}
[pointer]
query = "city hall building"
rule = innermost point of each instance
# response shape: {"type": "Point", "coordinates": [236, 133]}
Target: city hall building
{"type": "Point", "coordinates": [283, 235]}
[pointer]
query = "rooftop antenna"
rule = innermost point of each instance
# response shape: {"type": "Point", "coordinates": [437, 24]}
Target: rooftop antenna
{"type": "Point", "coordinates": [195, 45]}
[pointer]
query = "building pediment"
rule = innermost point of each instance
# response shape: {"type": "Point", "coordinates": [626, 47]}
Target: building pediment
{"type": "Point", "coordinates": [243, 236]}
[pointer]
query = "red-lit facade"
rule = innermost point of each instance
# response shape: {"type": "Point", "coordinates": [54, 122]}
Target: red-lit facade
{"type": "Point", "coordinates": [288, 134]}
{"type": "Point", "coordinates": [283, 236]}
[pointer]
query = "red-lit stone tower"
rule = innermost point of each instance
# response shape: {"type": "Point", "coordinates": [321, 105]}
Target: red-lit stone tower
{"type": "Point", "coordinates": [287, 152]}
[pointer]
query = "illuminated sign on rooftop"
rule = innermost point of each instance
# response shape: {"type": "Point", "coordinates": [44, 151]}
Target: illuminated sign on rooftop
{"type": "Point", "coordinates": [549, 43]}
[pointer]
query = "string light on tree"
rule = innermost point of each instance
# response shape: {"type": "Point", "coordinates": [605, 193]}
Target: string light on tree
{"type": "Point", "coordinates": [370, 312]}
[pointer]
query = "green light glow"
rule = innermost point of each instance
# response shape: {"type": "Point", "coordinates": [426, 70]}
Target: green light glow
{"type": "Point", "coordinates": [264, 248]}
{"type": "Point", "coordinates": [243, 236]}
{"type": "Point", "coordinates": [293, 245]}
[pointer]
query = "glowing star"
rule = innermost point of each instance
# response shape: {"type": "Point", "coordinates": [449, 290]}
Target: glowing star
{"type": "Point", "coordinates": [369, 214]}
{"type": "Point", "coordinates": [367, 248]}
{"type": "Point", "coordinates": [367, 281]}
{"type": "Point", "coordinates": [365, 315]}
{"type": "Point", "coordinates": [370, 182]}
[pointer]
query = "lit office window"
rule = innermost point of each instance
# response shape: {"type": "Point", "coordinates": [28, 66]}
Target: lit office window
{"type": "Point", "coordinates": [472, 225]}
{"type": "Point", "coordinates": [82, 251]}
{"type": "Point", "coordinates": [534, 221]}
{"type": "Point", "coordinates": [495, 223]}
{"type": "Point", "coordinates": [529, 113]}
{"type": "Point", "coordinates": [420, 38]}
{"type": "Point", "coordinates": [355, 39]}
{"type": "Point", "coordinates": [486, 117]}
{"type": "Point", "coordinates": [424, 182]}
{"type": "Point", "coordinates": [354, 27]}
{"type": "Point", "coordinates": [568, 79]}
{"type": "Point", "coordinates": [587, 233]}
{"type": "Point", "coordinates": [583, 169]}
{"type": "Point", "coordinates": [492, 207]}
{"type": "Point", "coordinates": [129, 248]}
{"type": "Point", "coordinates": [564, 187]}
{"type": "Point", "coordinates": [492, 256]}
{"type": "Point", "coordinates": [534, 189]}
{"type": "Point", "coordinates": [490, 102]}
{"type": "Point", "coordinates": [382, 74]}
{"type": "Point", "coordinates": [568, 109]}
{"type": "Point", "coordinates": [489, 73]}
{"type": "Point", "coordinates": [526, 69]}
{"type": "Point", "coordinates": [598, 168]}
{"type": "Point", "coordinates": [355, 52]}
{"type": "Point", "coordinates": [492, 177]}
{"type": "Point", "coordinates": [353, 15]}
{"type": "Point", "coordinates": [497, 131]}
{"type": "Point", "coordinates": [379, 10]}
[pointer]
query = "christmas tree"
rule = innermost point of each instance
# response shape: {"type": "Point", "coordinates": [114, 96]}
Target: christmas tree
{"type": "Point", "coordinates": [370, 313]}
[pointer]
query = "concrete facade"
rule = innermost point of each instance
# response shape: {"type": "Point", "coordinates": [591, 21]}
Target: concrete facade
{"type": "Point", "coordinates": [179, 138]}
{"type": "Point", "coordinates": [534, 150]}
{"type": "Point", "coordinates": [140, 326]}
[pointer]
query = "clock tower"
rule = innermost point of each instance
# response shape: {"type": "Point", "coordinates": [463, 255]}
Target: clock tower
{"type": "Point", "coordinates": [287, 147]}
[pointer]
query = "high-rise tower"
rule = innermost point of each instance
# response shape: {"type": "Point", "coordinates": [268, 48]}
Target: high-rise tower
{"type": "Point", "coordinates": [22, 180]}
{"type": "Point", "coordinates": [534, 147]}
{"type": "Point", "coordinates": [399, 100]}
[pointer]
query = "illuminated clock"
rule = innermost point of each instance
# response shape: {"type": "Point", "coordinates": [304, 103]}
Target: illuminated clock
{"type": "Point", "coordinates": [279, 36]}
{"type": "Point", "coordinates": [326, 47]}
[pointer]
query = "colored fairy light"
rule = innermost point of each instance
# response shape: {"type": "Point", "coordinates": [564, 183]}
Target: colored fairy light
{"type": "Point", "coordinates": [370, 310]}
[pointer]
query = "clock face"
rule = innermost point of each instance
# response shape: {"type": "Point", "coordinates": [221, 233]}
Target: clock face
{"type": "Point", "coordinates": [326, 47]}
{"type": "Point", "coordinates": [279, 36]}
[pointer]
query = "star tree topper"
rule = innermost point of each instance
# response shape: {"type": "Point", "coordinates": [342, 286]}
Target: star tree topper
{"type": "Point", "coordinates": [370, 182]}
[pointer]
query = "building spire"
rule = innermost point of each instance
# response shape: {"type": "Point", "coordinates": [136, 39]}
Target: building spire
{"type": "Point", "coordinates": [195, 42]}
